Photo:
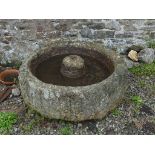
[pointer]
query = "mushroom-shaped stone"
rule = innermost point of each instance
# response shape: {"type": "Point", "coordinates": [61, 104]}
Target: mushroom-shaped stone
{"type": "Point", "coordinates": [73, 66]}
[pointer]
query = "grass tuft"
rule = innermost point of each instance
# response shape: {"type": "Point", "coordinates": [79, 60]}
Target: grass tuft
{"type": "Point", "coordinates": [7, 119]}
{"type": "Point", "coordinates": [137, 100]}
{"type": "Point", "coordinates": [116, 112]}
{"type": "Point", "coordinates": [143, 69]}
{"type": "Point", "coordinates": [66, 130]}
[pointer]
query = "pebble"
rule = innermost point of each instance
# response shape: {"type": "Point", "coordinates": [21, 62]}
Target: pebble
{"type": "Point", "coordinates": [15, 129]}
{"type": "Point", "coordinates": [8, 38]}
{"type": "Point", "coordinates": [79, 125]}
{"type": "Point", "coordinates": [15, 92]}
{"type": "Point", "coordinates": [147, 55]}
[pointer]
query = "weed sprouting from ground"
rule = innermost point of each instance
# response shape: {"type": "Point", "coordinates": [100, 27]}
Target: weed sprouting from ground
{"type": "Point", "coordinates": [116, 112]}
{"type": "Point", "coordinates": [7, 119]}
{"type": "Point", "coordinates": [66, 130]}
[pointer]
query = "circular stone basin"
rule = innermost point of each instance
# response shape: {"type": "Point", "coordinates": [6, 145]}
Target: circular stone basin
{"type": "Point", "coordinates": [73, 80]}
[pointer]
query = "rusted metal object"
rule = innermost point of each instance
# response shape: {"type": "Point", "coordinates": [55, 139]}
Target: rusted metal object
{"type": "Point", "coordinates": [8, 73]}
{"type": "Point", "coordinates": [5, 93]}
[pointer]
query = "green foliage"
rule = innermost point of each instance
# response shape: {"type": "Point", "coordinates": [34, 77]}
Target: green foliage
{"type": "Point", "coordinates": [137, 100]}
{"type": "Point", "coordinates": [7, 119]}
{"type": "Point", "coordinates": [116, 112]}
{"type": "Point", "coordinates": [151, 44]}
{"type": "Point", "coordinates": [66, 130]}
{"type": "Point", "coordinates": [143, 69]}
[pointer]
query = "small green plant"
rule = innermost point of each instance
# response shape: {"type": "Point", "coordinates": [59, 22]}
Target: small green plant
{"type": "Point", "coordinates": [137, 100]}
{"type": "Point", "coordinates": [66, 130]}
{"type": "Point", "coordinates": [116, 112]}
{"type": "Point", "coordinates": [143, 69]}
{"type": "Point", "coordinates": [7, 119]}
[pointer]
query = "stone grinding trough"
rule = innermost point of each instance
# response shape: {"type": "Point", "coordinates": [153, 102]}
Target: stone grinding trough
{"type": "Point", "coordinates": [73, 80]}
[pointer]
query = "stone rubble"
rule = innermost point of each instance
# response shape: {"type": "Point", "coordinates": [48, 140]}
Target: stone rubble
{"type": "Point", "coordinates": [146, 55]}
{"type": "Point", "coordinates": [16, 92]}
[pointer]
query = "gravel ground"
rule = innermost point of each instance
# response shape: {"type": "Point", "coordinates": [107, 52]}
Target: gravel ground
{"type": "Point", "coordinates": [124, 120]}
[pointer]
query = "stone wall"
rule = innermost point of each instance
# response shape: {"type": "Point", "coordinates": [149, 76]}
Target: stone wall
{"type": "Point", "coordinates": [20, 38]}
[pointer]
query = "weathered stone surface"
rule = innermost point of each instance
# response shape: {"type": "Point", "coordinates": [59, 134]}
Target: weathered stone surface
{"type": "Point", "coordinates": [130, 28]}
{"type": "Point", "coordinates": [114, 33]}
{"type": "Point", "coordinates": [71, 33]}
{"type": "Point", "coordinates": [64, 25]}
{"type": "Point", "coordinates": [15, 92]}
{"type": "Point", "coordinates": [148, 28]}
{"type": "Point", "coordinates": [128, 25]}
{"type": "Point", "coordinates": [97, 26]}
{"type": "Point", "coordinates": [124, 35]}
{"type": "Point", "coordinates": [87, 33]}
{"type": "Point", "coordinates": [147, 55]}
{"type": "Point", "coordinates": [136, 48]}
{"type": "Point", "coordinates": [51, 35]}
{"type": "Point", "coordinates": [121, 49]}
{"type": "Point", "coordinates": [17, 52]}
{"type": "Point", "coordinates": [74, 103]}
{"type": "Point", "coordinates": [152, 34]}
{"type": "Point", "coordinates": [3, 24]}
{"type": "Point", "coordinates": [113, 25]}
{"type": "Point", "coordinates": [150, 22]}
{"type": "Point", "coordinates": [129, 63]}
{"type": "Point", "coordinates": [101, 34]}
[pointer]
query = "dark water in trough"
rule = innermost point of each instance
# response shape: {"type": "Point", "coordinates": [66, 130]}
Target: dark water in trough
{"type": "Point", "coordinates": [48, 71]}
